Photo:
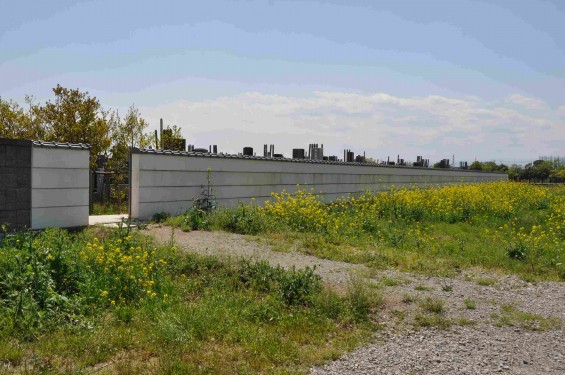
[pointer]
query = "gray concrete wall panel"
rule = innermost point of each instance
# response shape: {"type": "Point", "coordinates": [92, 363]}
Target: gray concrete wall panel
{"type": "Point", "coordinates": [54, 178]}
{"type": "Point", "coordinates": [169, 183]}
{"type": "Point", "coordinates": [60, 187]}
{"type": "Point", "coordinates": [60, 217]}
{"type": "Point", "coordinates": [59, 197]}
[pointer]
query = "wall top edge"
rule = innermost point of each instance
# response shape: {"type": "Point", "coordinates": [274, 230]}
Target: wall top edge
{"type": "Point", "coordinates": [15, 142]}
{"type": "Point", "coordinates": [67, 145]}
{"type": "Point", "coordinates": [290, 160]}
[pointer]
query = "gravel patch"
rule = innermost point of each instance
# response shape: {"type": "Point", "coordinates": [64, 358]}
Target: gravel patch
{"type": "Point", "coordinates": [480, 350]}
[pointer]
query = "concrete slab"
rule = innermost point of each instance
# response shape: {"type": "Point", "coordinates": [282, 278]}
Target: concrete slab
{"type": "Point", "coordinates": [106, 219]}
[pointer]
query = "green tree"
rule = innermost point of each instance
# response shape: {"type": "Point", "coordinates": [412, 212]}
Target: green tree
{"type": "Point", "coordinates": [476, 166]}
{"type": "Point", "coordinates": [515, 172]}
{"type": "Point", "coordinates": [76, 117]}
{"type": "Point", "coordinates": [172, 139]}
{"type": "Point", "coordinates": [539, 170]}
{"type": "Point", "coordinates": [125, 133]}
{"type": "Point", "coordinates": [17, 123]}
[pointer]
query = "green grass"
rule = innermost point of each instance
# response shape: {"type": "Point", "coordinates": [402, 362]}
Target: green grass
{"type": "Point", "coordinates": [510, 316]}
{"type": "Point", "coordinates": [206, 317]}
{"type": "Point", "coordinates": [408, 298]}
{"type": "Point", "coordinates": [432, 320]}
{"type": "Point", "coordinates": [432, 315]}
{"type": "Point", "coordinates": [470, 304]}
{"type": "Point", "coordinates": [423, 288]}
{"type": "Point", "coordinates": [109, 208]}
{"type": "Point", "coordinates": [433, 305]}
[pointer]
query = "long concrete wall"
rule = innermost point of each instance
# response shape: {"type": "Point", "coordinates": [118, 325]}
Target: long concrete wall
{"type": "Point", "coordinates": [59, 185]}
{"type": "Point", "coordinates": [163, 182]}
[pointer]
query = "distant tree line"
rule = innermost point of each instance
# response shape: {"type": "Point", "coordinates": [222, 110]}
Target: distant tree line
{"type": "Point", "coordinates": [76, 117]}
{"type": "Point", "coordinates": [548, 170]}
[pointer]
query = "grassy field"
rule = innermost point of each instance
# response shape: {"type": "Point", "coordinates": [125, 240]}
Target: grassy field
{"type": "Point", "coordinates": [109, 301]}
{"type": "Point", "coordinates": [502, 227]}
{"type": "Point", "coordinates": [112, 301]}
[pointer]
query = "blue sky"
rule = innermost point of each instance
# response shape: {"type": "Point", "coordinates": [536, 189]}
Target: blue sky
{"type": "Point", "coordinates": [478, 79]}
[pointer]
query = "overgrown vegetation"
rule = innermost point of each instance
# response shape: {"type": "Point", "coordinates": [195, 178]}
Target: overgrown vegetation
{"type": "Point", "coordinates": [112, 299]}
{"type": "Point", "coordinates": [109, 208]}
{"type": "Point", "coordinates": [509, 227]}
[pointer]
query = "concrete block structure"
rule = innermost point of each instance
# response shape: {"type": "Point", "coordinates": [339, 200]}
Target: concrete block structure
{"type": "Point", "coordinates": [15, 183]}
{"type": "Point", "coordinates": [43, 184]}
{"type": "Point", "coordinates": [165, 181]}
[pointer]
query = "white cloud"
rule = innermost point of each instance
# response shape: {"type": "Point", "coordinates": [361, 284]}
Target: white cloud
{"type": "Point", "coordinates": [526, 101]}
{"type": "Point", "coordinates": [381, 124]}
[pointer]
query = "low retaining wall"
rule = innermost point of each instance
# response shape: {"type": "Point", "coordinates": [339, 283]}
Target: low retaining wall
{"type": "Point", "coordinates": [169, 181]}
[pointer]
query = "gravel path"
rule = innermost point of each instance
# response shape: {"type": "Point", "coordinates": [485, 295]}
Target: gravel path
{"type": "Point", "coordinates": [234, 246]}
{"type": "Point", "coordinates": [495, 336]}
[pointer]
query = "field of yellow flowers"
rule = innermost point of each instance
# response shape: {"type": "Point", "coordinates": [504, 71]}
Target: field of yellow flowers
{"type": "Point", "coordinates": [506, 226]}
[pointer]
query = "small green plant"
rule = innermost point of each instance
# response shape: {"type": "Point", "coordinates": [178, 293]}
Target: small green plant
{"type": "Point", "coordinates": [408, 298]}
{"type": "Point", "coordinates": [470, 304]}
{"type": "Point", "coordinates": [423, 288]}
{"type": "Point", "coordinates": [207, 200]}
{"type": "Point", "coordinates": [159, 217]}
{"type": "Point", "coordinates": [447, 288]}
{"type": "Point", "coordinates": [433, 320]}
{"type": "Point", "coordinates": [432, 305]}
{"type": "Point", "coordinates": [517, 251]}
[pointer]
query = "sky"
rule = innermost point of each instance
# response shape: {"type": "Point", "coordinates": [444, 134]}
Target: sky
{"type": "Point", "coordinates": [473, 80]}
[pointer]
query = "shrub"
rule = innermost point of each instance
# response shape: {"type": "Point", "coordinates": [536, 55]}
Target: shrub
{"type": "Point", "coordinates": [294, 287]}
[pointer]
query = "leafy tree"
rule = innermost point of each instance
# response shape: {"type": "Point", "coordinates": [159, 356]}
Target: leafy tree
{"type": "Point", "coordinates": [17, 123]}
{"type": "Point", "coordinates": [76, 117]}
{"type": "Point", "coordinates": [172, 139]}
{"type": "Point", "coordinates": [557, 175]}
{"type": "Point", "coordinates": [126, 133]}
{"type": "Point", "coordinates": [515, 172]}
{"type": "Point", "coordinates": [539, 170]}
{"type": "Point", "coordinates": [476, 166]}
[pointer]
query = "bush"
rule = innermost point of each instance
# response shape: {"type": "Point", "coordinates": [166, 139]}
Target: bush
{"type": "Point", "coordinates": [293, 287]}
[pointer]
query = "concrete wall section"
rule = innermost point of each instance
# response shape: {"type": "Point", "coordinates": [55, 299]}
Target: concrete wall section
{"type": "Point", "coordinates": [15, 183]}
{"type": "Point", "coordinates": [168, 183]}
{"type": "Point", "coordinates": [59, 186]}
